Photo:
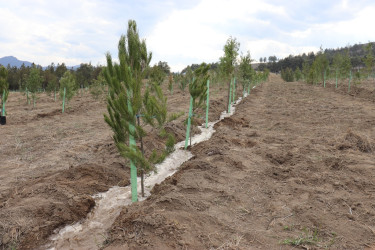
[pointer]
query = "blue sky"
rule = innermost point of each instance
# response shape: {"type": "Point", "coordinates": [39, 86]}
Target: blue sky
{"type": "Point", "coordinates": [179, 32]}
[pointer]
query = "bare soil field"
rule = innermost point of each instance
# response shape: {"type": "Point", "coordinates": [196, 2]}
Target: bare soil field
{"type": "Point", "coordinates": [52, 163]}
{"type": "Point", "coordinates": [294, 167]}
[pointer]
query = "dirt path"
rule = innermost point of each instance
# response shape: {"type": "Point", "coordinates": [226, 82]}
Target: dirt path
{"type": "Point", "coordinates": [294, 166]}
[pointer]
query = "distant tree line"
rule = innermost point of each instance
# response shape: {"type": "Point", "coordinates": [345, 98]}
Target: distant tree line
{"type": "Point", "coordinates": [317, 68]}
{"type": "Point", "coordinates": [50, 76]}
{"type": "Point", "coordinates": [356, 53]}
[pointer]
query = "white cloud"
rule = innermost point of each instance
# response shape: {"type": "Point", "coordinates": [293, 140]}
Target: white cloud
{"type": "Point", "coordinates": [179, 33]}
{"type": "Point", "coordinates": [334, 34]}
{"type": "Point", "coordinates": [199, 34]}
{"type": "Point", "coordinates": [45, 32]}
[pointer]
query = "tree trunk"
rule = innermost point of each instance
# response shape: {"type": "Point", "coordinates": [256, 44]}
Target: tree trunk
{"type": "Point", "coordinates": [142, 171]}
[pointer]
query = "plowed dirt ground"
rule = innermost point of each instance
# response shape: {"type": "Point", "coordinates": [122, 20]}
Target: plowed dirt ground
{"type": "Point", "coordinates": [51, 163]}
{"type": "Point", "coordinates": [293, 167]}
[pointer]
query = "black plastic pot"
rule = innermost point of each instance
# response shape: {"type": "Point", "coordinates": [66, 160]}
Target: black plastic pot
{"type": "Point", "coordinates": [3, 120]}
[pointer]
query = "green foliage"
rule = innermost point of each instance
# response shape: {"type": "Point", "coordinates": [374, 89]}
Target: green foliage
{"type": "Point", "coordinates": [52, 84]}
{"type": "Point", "coordinates": [34, 80]}
{"type": "Point", "coordinates": [265, 74]}
{"type": "Point", "coordinates": [154, 106]}
{"type": "Point", "coordinates": [310, 237]}
{"type": "Point", "coordinates": [84, 75]}
{"type": "Point", "coordinates": [60, 70]}
{"type": "Point", "coordinates": [34, 83]}
{"type": "Point", "coordinates": [305, 70]}
{"type": "Point", "coordinates": [337, 61]}
{"type": "Point", "coordinates": [98, 88]}
{"type": "Point", "coordinates": [157, 75]}
{"type": "Point", "coordinates": [198, 88]}
{"type": "Point", "coordinates": [357, 77]}
{"type": "Point", "coordinates": [4, 92]}
{"type": "Point", "coordinates": [228, 61]}
{"type": "Point", "coordinates": [169, 145]}
{"type": "Point", "coordinates": [313, 74]}
{"type": "Point", "coordinates": [246, 71]}
{"type": "Point", "coordinates": [346, 65]}
{"type": "Point", "coordinates": [369, 59]}
{"type": "Point", "coordinates": [297, 74]}
{"type": "Point", "coordinates": [69, 83]}
{"type": "Point", "coordinates": [175, 116]}
{"type": "Point", "coordinates": [186, 79]}
{"type": "Point", "coordinates": [164, 67]}
{"type": "Point", "coordinates": [127, 103]}
{"type": "Point", "coordinates": [3, 79]}
{"type": "Point", "coordinates": [170, 83]}
{"type": "Point", "coordinates": [321, 63]}
{"type": "Point", "coordinates": [287, 75]}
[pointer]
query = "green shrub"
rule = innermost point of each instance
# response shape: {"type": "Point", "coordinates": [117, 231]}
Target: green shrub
{"type": "Point", "coordinates": [287, 75]}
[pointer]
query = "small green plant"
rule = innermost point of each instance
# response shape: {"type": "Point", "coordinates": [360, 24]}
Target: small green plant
{"type": "Point", "coordinates": [52, 85]}
{"type": "Point", "coordinates": [369, 60]}
{"type": "Point", "coordinates": [228, 63]}
{"type": "Point", "coordinates": [186, 79]}
{"type": "Point", "coordinates": [198, 96]}
{"type": "Point", "coordinates": [288, 228]}
{"type": "Point", "coordinates": [321, 64]}
{"type": "Point", "coordinates": [34, 82]}
{"type": "Point", "coordinates": [170, 83]}
{"type": "Point", "coordinates": [308, 237]}
{"type": "Point", "coordinates": [157, 75]}
{"type": "Point", "coordinates": [68, 83]}
{"type": "Point", "coordinates": [3, 88]}
{"type": "Point", "coordinates": [246, 72]}
{"type": "Point", "coordinates": [99, 87]}
{"type": "Point", "coordinates": [297, 74]}
{"type": "Point", "coordinates": [287, 75]}
{"type": "Point", "coordinates": [175, 116]}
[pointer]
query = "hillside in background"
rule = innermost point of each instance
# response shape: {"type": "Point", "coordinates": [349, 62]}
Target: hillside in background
{"type": "Point", "coordinates": [13, 62]}
{"type": "Point", "coordinates": [356, 52]}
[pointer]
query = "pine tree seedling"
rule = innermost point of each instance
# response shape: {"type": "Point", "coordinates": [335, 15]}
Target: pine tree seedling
{"type": "Point", "coordinates": [128, 105]}
{"type": "Point", "coordinates": [68, 85]}
{"type": "Point", "coordinates": [3, 88]}
{"type": "Point", "coordinates": [34, 82]}
{"type": "Point", "coordinates": [198, 96]}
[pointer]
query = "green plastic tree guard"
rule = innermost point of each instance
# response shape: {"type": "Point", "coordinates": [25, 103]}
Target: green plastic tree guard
{"type": "Point", "coordinates": [208, 101]}
{"type": "Point", "coordinates": [350, 78]}
{"type": "Point", "coordinates": [27, 96]}
{"type": "Point", "coordinates": [133, 168]}
{"type": "Point", "coordinates": [336, 79]}
{"type": "Point", "coordinates": [63, 106]}
{"type": "Point", "coordinates": [230, 94]}
{"type": "Point", "coordinates": [3, 109]}
{"type": "Point", "coordinates": [234, 89]}
{"type": "Point", "coordinates": [189, 122]}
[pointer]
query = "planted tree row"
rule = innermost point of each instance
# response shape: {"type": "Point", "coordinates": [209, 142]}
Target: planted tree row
{"type": "Point", "coordinates": [133, 103]}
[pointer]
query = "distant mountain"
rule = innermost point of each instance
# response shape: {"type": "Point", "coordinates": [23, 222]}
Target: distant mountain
{"type": "Point", "coordinates": [13, 61]}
